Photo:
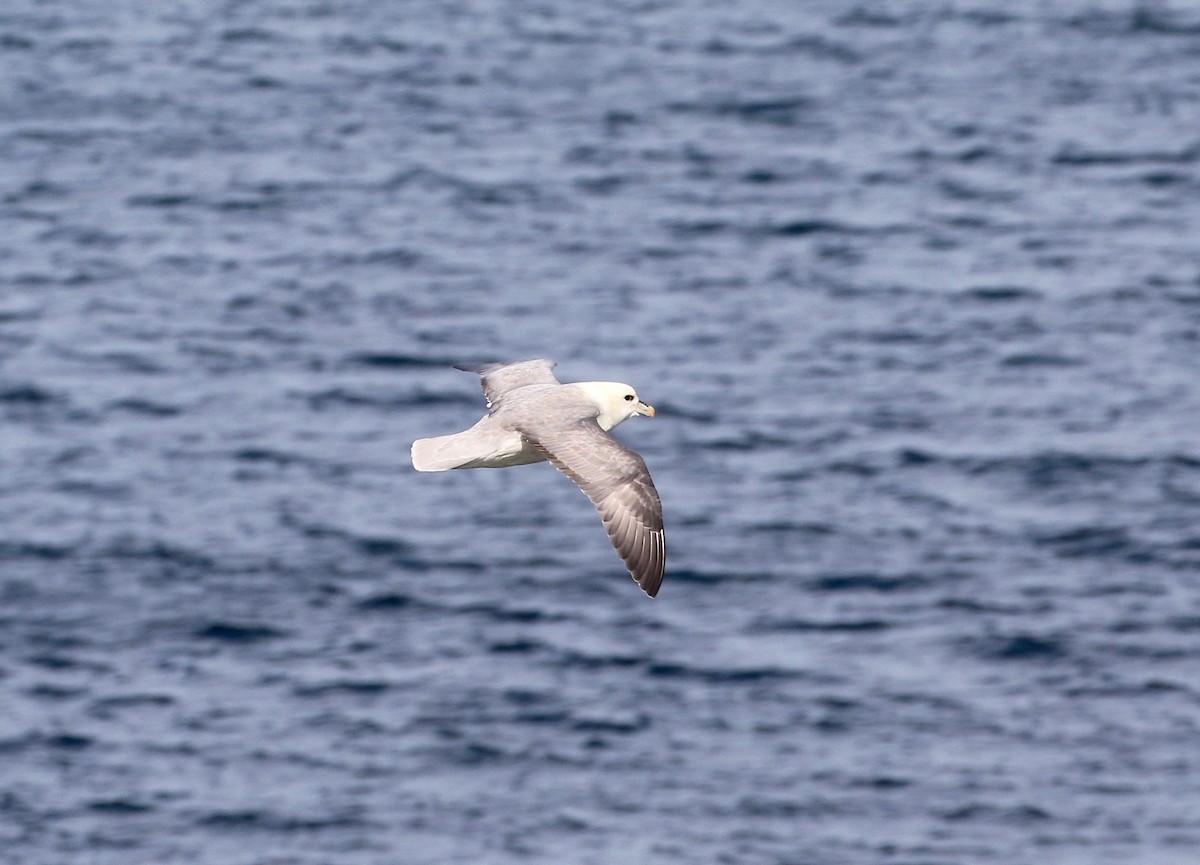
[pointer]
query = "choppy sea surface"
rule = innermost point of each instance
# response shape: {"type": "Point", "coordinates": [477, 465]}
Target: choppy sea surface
{"type": "Point", "coordinates": [915, 288]}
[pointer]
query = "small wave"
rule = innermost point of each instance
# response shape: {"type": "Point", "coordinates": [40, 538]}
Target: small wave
{"type": "Point", "coordinates": [1041, 470]}
{"type": "Point", "coordinates": [339, 397]}
{"type": "Point", "coordinates": [1074, 155]}
{"type": "Point", "coordinates": [721, 676]}
{"type": "Point", "coordinates": [131, 548]}
{"type": "Point", "coordinates": [117, 362]}
{"type": "Point", "coordinates": [237, 632]}
{"type": "Point", "coordinates": [357, 687]}
{"type": "Point", "coordinates": [881, 782]}
{"type": "Point", "coordinates": [784, 111]}
{"type": "Point", "coordinates": [524, 615]}
{"type": "Point", "coordinates": [27, 395]}
{"type": "Point", "coordinates": [15, 550]}
{"type": "Point", "coordinates": [803, 227]}
{"type": "Point", "coordinates": [379, 546]}
{"type": "Point", "coordinates": [58, 661]}
{"type": "Point", "coordinates": [161, 199]}
{"type": "Point", "coordinates": [870, 16]}
{"type": "Point", "coordinates": [788, 527]}
{"type": "Point", "coordinates": [387, 601]}
{"type": "Point", "coordinates": [834, 626]}
{"type": "Point", "coordinates": [392, 549]}
{"type": "Point", "coordinates": [108, 707]}
{"type": "Point", "coordinates": [1143, 19]}
{"type": "Point", "coordinates": [1019, 647]}
{"type": "Point", "coordinates": [119, 807]}
{"type": "Point", "coordinates": [520, 646]}
{"type": "Point", "coordinates": [264, 820]}
{"type": "Point", "coordinates": [746, 440]}
{"type": "Point", "coordinates": [54, 693]}
{"type": "Point", "coordinates": [986, 813]}
{"type": "Point", "coordinates": [999, 294]}
{"type": "Point", "coordinates": [392, 360]}
{"type": "Point", "coordinates": [776, 808]}
{"type": "Point", "coordinates": [622, 725]}
{"type": "Point", "coordinates": [869, 582]}
{"type": "Point", "coordinates": [712, 578]}
{"type": "Point", "coordinates": [1040, 359]}
{"type": "Point", "coordinates": [1154, 688]}
{"type": "Point", "coordinates": [1091, 541]}
{"type": "Point", "coordinates": [472, 754]}
{"type": "Point", "coordinates": [589, 661]}
{"type": "Point", "coordinates": [144, 408]}
{"type": "Point", "coordinates": [67, 741]}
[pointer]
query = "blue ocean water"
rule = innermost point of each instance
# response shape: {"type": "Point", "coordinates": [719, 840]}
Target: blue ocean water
{"type": "Point", "coordinates": [915, 288]}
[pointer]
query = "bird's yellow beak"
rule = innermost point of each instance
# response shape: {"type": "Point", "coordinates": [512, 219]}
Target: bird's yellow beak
{"type": "Point", "coordinates": [647, 410]}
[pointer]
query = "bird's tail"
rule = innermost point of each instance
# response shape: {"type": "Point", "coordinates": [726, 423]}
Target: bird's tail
{"type": "Point", "coordinates": [441, 453]}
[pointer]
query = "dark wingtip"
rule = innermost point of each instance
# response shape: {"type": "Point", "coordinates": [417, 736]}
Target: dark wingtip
{"type": "Point", "coordinates": [651, 576]}
{"type": "Point", "coordinates": [650, 583]}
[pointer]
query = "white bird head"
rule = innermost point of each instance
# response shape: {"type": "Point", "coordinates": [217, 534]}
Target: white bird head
{"type": "Point", "coordinates": [617, 402]}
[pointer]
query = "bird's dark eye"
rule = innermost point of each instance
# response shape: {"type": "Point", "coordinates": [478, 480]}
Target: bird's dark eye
{"type": "Point", "coordinates": [628, 397]}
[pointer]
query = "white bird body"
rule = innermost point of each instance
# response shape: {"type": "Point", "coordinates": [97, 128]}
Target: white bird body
{"type": "Point", "coordinates": [493, 444]}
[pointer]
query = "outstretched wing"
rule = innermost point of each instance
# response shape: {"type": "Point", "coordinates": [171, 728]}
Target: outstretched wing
{"type": "Point", "coordinates": [617, 481]}
{"type": "Point", "coordinates": [499, 378]}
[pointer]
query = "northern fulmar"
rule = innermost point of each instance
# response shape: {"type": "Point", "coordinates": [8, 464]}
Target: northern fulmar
{"type": "Point", "coordinates": [533, 417]}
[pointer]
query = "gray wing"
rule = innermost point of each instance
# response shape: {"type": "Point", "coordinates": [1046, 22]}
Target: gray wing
{"type": "Point", "coordinates": [617, 481]}
{"type": "Point", "coordinates": [499, 378]}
